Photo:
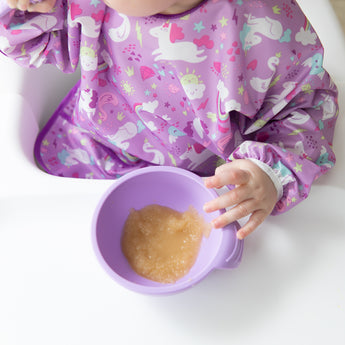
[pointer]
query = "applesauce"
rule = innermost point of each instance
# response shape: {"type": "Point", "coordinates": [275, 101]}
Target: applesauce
{"type": "Point", "coordinates": [161, 243]}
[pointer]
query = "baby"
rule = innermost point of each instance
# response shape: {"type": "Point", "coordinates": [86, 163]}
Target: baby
{"type": "Point", "coordinates": [230, 89]}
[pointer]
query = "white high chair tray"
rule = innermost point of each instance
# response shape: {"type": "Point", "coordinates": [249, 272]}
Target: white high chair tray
{"type": "Point", "coordinates": [289, 288]}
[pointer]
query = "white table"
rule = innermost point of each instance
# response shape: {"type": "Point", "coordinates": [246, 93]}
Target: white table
{"type": "Point", "coordinates": [289, 288]}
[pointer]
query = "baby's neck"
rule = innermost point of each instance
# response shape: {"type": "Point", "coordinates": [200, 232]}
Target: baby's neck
{"type": "Point", "coordinates": [182, 6]}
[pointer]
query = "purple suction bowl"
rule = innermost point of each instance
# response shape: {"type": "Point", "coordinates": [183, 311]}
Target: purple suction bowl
{"type": "Point", "coordinates": [166, 186]}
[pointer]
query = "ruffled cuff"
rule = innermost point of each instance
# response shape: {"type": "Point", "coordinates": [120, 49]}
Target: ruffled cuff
{"type": "Point", "coordinates": [270, 160]}
{"type": "Point", "coordinates": [274, 175]}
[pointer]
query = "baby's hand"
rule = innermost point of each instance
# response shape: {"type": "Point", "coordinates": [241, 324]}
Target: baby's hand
{"type": "Point", "coordinates": [254, 194]}
{"type": "Point", "coordinates": [44, 6]}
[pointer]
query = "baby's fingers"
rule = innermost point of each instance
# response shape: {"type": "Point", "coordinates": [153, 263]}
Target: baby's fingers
{"type": "Point", "coordinates": [231, 198]}
{"type": "Point", "coordinates": [226, 175]}
{"type": "Point", "coordinates": [42, 7]}
{"type": "Point", "coordinates": [25, 5]}
{"type": "Point", "coordinates": [254, 221]}
{"type": "Point", "coordinates": [239, 211]}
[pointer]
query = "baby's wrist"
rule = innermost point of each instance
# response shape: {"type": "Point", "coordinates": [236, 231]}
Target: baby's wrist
{"type": "Point", "coordinates": [271, 174]}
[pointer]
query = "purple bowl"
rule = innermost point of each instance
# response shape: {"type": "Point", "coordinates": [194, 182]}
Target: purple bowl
{"type": "Point", "coordinates": [170, 187]}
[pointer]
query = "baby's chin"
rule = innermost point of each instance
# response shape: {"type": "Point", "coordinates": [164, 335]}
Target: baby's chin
{"type": "Point", "coordinates": [146, 12]}
{"type": "Point", "coordinates": [136, 12]}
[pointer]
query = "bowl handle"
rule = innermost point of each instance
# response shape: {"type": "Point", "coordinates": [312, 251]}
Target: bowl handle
{"type": "Point", "coordinates": [229, 255]}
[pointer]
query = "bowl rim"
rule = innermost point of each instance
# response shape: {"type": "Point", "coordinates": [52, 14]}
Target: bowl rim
{"type": "Point", "coordinates": [160, 289]}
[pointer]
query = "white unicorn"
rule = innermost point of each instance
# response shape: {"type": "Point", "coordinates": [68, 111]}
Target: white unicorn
{"type": "Point", "coordinates": [88, 25]}
{"type": "Point", "coordinates": [85, 101]}
{"type": "Point", "coordinates": [197, 154]}
{"type": "Point", "coordinates": [128, 131]}
{"type": "Point", "coordinates": [255, 27]}
{"type": "Point", "coordinates": [158, 157]}
{"type": "Point", "coordinates": [44, 22]}
{"type": "Point", "coordinates": [120, 33]}
{"type": "Point", "coordinates": [69, 156]}
{"type": "Point", "coordinates": [329, 108]}
{"type": "Point", "coordinates": [168, 50]}
{"type": "Point", "coordinates": [262, 85]}
{"type": "Point", "coordinates": [281, 100]}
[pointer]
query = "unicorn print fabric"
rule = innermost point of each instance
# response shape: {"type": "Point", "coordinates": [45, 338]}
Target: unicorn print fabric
{"type": "Point", "coordinates": [224, 81]}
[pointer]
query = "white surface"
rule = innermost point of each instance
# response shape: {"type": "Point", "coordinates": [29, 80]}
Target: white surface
{"type": "Point", "coordinates": [289, 288]}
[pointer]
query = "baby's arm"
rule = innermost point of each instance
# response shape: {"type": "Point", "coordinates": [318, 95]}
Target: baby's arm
{"type": "Point", "coordinates": [32, 39]}
{"type": "Point", "coordinates": [290, 138]}
{"type": "Point", "coordinates": [297, 149]}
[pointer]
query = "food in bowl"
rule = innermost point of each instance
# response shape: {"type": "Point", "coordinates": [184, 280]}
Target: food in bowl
{"type": "Point", "coordinates": [161, 243]}
{"type": "Point", "coordinates": [171, 187]}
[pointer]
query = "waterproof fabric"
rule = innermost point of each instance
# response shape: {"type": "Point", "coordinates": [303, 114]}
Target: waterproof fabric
{"type": "Point", "coordinates": [226, 80]}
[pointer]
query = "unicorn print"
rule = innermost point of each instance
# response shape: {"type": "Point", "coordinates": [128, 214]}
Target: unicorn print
{"type": "Point", "coordinates": [197, 154]}
{"type": "Point", "coordinates": [323, 160]}
{"type": "Point", "coordinates": [169, 49]}
{"type": "Point", "coordinates": [89, 27]}
{"type": "Point", "coordinates": [158, 157]}
{"type": "Point", "coordinates": [69, 156]}
{"type": "Point", "coordinates": [224, 81]}
{"type": "Point", "coordinates": [223, 116]}
{"type": "Point", "coordinates": [299, 118]}
{"type": "Point", "coordinates": [255, 28]}
{"type": "Point", "coordinates": [282, 99]}
{"type": "Point", "coordinates": [262, 85]}
{"type": "Point", "coordinates": [87, 102]}
{"type": "Point", "coordinates": [43, 23]}
{"type": "Point", "coordinates": [120, 33]}
{"type": "Point", "coordinates": [106, 162]}
{"type": "Point", "coordinates": [126, 132]}
{"type": "Point", "coordinates": [35, 59]}
{"type": "Point", "coordinates": [149, 107]}
{"type": "Point", "coordinates": [315, 64]}
{"type": "Point", "coordinates": [329, 108]}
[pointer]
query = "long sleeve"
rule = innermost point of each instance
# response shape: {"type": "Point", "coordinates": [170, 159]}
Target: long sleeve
{"type": "Point", "coordinates": [33, 39]}
{"type": "Point", "coordinates": [292, 133]}
{"type": "Point", "coordinates": [228, 80]}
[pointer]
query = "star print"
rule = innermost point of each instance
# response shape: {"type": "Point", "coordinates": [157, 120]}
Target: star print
{"type": "Point", "coordinates": [147, 92]}
{"type": "Point", "coordinates": [213, 27]}
{"type": "Point", "coordinates": [298, 167]}
{"type": "Point", "coordinates": [198, 26]}
{"type": "Point", "coordinates": [240, 77]}
{"type": "Point", "coordinates": [154, 86]}
{"type": "Point", "coordinates": [167, 104]}
{"type": "Point", "coordinates": [223, 36]}
{"type": "Point", "coordinates": [240, 90]}
{"type": "Point", "coordinates": [223, 21]}
{"type": "Point", "coordinates": [95, 3]}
